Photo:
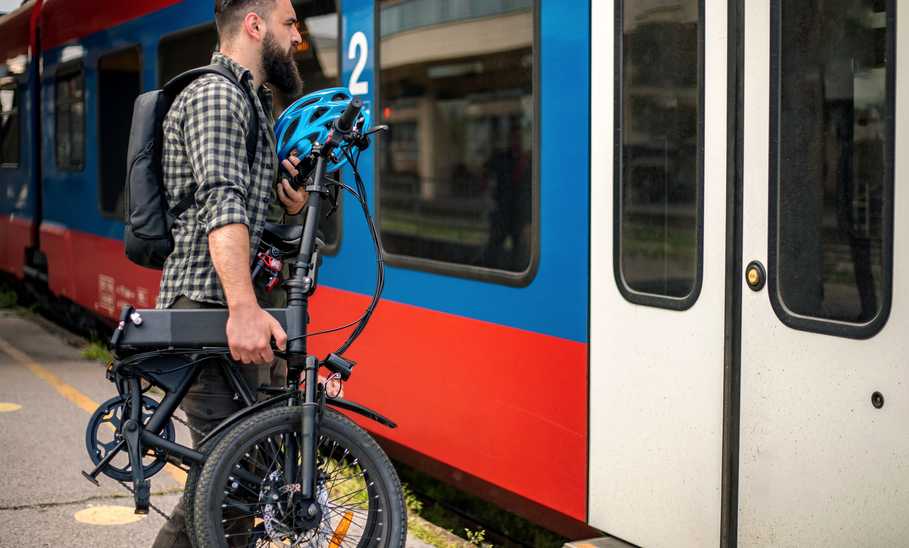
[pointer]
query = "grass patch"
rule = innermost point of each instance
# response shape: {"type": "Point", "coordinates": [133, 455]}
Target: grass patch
{"type": "Point", "coordinates": [97, 351]}
{"type": "Point", "coordinates": [424, 530]}
{"type": "Point", "coordinates": [453, 512]}
{"type": "Point", "coordinates": [8, 298]}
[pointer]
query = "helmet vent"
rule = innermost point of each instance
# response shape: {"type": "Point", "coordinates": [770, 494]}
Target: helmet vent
{"type": "Point", "coordinates": [308, 102]}
{"type": "Point", "coordinates": [339, 97]}
{"type": "Point", "coordinates": [292, 127]}
{"type": "Point", "coordinates": [317, 114]}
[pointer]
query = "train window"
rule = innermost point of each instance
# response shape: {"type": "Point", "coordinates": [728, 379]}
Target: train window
{"type": "Point", "coordinates": [659, 159]}
{"type": "Point", "coordinates": [69, 117]}
{"type": "Point", "coordinates": [317, 56]}
{"type": "Point", "coordinates": [457, 186]}
{"type": "Point", "coordinates": [318, 60]}
{"type": "Point", "coordinates": [180, 52]}
{"type": "Point", "coordinates": [9, 125]}
{"type": "Point", "coordinates": [119, 83]}
{"type": "Point", "coordinates": [832, 157]}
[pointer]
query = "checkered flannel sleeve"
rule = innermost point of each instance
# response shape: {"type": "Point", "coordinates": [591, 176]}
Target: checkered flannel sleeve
{"type": "Point", "coordinates": [216, 118]}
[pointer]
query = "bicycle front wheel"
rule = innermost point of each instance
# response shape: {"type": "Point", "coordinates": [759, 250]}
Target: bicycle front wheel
{"type": "Point", "coordinates": [247, 494]}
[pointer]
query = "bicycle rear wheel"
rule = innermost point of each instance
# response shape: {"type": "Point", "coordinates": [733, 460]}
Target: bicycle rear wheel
{"type": "Point", "coordinates": [244, 496]}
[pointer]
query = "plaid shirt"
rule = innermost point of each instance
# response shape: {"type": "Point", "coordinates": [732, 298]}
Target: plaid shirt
{"type": "Point", "coordinates": [205, 146]}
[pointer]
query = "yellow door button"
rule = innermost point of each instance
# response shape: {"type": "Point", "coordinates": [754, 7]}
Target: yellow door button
{"type": "Point", "coordinates": [755, 275]}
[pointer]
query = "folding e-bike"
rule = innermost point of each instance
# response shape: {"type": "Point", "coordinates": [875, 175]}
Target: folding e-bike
{"type": "Point", "coordinates": [288, 470]}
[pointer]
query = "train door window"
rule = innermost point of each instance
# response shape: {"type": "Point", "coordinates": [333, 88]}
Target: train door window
{"type": "Point", "coordinates": [832, 157]}
{"type": "Point", "coordinates": [119, 83]}
{"type": "Point", "coordinates": [457, 185]}
{"type": "Point", "coordinates": [69, 117]}
{"type": "Point", "coordinates": [185, 50]}
{"type": "Point", "coordinates": [659, 158]}
{"type": "Point", "coordinates": [9, 124]}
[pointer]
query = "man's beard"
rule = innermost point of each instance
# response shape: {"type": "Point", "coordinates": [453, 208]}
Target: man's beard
{"type": "Point", "coordinates": [280, 67]}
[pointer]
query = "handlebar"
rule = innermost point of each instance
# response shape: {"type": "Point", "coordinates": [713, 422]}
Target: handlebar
{"type": "Point", "coordinates": [346, 121]}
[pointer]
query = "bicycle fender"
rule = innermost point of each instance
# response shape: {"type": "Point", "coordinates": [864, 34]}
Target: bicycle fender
{"type": "Point", "coordinates": [354, 407]}
{"type": "Point", "coordinates": [280, 398]}
{"type": "Point", "coordinates": [245, 412]}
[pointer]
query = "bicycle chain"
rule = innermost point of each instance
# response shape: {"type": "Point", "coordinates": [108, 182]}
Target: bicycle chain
{"type": "Point", "coordinates": [186, 424]}
{"type": "Point", "coordinates": [150, 503]}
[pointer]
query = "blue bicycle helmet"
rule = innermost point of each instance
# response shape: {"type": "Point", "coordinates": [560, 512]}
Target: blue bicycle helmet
{"type": "Point", "coordinates": [309, 119]}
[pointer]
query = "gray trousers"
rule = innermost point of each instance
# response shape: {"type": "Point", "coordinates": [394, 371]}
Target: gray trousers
{"type": "Point", "coordinates": [209, 401]}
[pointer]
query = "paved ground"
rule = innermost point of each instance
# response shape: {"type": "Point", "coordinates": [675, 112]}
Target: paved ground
{"type": "Point", "coordinates": [42, 448]}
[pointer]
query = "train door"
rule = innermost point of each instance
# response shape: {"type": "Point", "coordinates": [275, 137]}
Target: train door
{"type": "Point", "coordinates": [658, 260]}
{"type": "Point", "coordinates": [824, 379]}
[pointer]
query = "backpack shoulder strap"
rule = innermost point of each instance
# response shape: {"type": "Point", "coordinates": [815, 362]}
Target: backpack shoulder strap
{"type": "Point", "coordinates": [179, 83]}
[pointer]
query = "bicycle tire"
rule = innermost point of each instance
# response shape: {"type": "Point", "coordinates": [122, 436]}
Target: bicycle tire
{"type": "Point", "coordinates": [189, 490]}
{"type": "Point", "coordinates": [220, 487]}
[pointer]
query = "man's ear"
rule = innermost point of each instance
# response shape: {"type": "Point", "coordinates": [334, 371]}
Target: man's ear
{"type": "Point", "coordinates": [254, 26]}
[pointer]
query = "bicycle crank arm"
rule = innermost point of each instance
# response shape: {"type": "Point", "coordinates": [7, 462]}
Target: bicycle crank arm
{"type": "Point", "coordinates": [93, 475]}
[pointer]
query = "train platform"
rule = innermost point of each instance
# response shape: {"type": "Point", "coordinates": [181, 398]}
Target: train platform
{"type": "Point", "coordinates": [47, 394]}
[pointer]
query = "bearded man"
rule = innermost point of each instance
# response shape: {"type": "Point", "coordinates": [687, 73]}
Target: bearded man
{"type": "Point", "coordinates": [216, 238]}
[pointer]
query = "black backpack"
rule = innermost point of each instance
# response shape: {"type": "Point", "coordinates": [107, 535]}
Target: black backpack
{"type": "Point", "coordinates": [147, 234]}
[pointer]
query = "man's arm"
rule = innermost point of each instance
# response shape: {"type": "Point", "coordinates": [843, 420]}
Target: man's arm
{"type": "Point", "coordinates": [249, 328]}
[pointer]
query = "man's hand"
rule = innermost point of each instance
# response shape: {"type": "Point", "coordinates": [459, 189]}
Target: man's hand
{"type": "Point", "coordinates": [249, 328]}
{"type": "Point", "coordinates": [249, 333]}
{"type": "Point", "coordinates": [294, 200]}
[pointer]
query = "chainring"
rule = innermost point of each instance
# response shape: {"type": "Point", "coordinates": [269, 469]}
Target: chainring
{"type": "Point", "coordinates": [103, 435]}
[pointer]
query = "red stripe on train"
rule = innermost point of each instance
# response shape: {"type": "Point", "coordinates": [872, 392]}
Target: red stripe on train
{"type": "Point", "coordinates": [504, 405]}
{"type": "Point", "coordinates": [94, 272]}
{"type": "Point", "coordinates": [15, 238]}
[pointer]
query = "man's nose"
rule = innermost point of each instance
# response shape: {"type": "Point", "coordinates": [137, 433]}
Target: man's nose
{"type": "Point", "coordinates": [296, 38]}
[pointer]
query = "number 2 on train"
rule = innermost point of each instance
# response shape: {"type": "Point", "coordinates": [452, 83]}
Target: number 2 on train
{"type": "Point", "coordinates": [359, 50]}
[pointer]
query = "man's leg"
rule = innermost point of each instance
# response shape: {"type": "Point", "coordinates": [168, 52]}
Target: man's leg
{"type": "Point", "coordinates": [209, 401]}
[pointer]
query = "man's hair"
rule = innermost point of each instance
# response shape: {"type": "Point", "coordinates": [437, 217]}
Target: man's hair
{"type": "Point", "coordinates": [230, 13]}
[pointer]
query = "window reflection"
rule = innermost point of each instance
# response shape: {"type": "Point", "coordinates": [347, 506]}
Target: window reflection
{"type": "Point", "coordinates": [69, 117]}
{"type": "Point", "coordinates": [659, 162]}
{"type": "Point", "coordinates": [119, 83]}
{"type": "Point", "coordinates": [317, 60]}
{"type": "Point", "coordinates": [9, 126]}
{"type": "Point", "coordinates": [834, 165]}
{"type": "Point", "coordinates": [456, 181]}
{"type": "Point", "coordinates": [184, 51]}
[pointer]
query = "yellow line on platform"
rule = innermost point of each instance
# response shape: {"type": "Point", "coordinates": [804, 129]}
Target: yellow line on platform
{"type": "Point", "coordinates": [81, 400]}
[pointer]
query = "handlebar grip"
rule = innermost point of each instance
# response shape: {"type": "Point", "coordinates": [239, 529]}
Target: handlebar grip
{"type": "Point", "coordinates": [347, 119]}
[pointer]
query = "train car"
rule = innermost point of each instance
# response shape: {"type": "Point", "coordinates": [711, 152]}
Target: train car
{"type": "Point", "coordinates": [19, 170]}
{"type": "Point", "coordinates": [640, 254]}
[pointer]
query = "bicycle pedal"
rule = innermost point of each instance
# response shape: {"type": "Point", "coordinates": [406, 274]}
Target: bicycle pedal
{"type": "Point", "coordinates": [142, 495]}
{"type": "Point", "coordinates": [89, 477]}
